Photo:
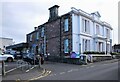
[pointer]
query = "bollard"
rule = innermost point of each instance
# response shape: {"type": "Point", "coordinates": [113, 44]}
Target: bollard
{"type": "Point", "coordinates": [85, 59]}
{"type": "Point", "coordinates": [39, 62]}
{"type": "Point", "coordinates": [3, 68]}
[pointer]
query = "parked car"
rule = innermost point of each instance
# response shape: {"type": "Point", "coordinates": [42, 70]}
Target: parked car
{"type": "Point", "coordinates": [7, 57]}
{"type": "Point", "coordinates": [16, 54]}
{"type": "Point", "coordinates": [32, 58]}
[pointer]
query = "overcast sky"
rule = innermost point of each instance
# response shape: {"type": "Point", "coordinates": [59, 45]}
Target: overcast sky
{"type": "Point", "coordinates": [19, 17]}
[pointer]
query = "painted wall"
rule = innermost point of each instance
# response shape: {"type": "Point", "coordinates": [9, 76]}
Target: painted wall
{"type": "Point", "coordinates": [78, 35]}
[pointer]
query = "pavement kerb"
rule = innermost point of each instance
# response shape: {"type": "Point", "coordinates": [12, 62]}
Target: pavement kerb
{"type": "Point", "coordinates": [106, 61]}
{"type": "Point", "coordinates": [43, 72]}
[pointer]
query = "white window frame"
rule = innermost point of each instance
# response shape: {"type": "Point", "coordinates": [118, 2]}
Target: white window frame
{"type": "Point", "coordinates": [97, 29]}
{"type": "Point", "coordinates": [107, 33]}
{"type": "Point", "coordinates": [86, 45]}
{"type": "Point", "coordinates": [85, 26]}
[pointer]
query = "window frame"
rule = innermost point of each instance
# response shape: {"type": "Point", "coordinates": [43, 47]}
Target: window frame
{"type": "Point", "coordinates": [66, 46]}
{"type": "Point", "coordinates": [37, 35]}
{"type": "Point", "coordinates": [66, 24]}
{"type": "Point", "coordinates": [31, 36]}
{"type": "Point", "coordinates": [42, 31]}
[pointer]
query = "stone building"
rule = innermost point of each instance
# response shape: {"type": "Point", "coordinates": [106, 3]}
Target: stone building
{"type": "Point", "coordinates": [75, 31]}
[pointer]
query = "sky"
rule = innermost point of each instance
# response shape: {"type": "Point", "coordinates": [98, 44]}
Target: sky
{"type": "Point", "coordinates": [19, 17]}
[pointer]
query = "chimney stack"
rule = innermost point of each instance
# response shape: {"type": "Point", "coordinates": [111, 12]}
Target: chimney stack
{"type": "Point", "coordinates": [35, 28]}
{"type": "Point", "coordinates": [53, 12]}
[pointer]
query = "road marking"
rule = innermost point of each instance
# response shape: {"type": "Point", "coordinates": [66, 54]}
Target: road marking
{"type": "Point", "coordinates": [11, 70]}
{"type": "Point", "coordinates": [14, 69]}
{"type": "Point", "coordinates": [70, 70]}
{"type": "Point", "coordinates": [84, 65]}
{"type": "Point", "coordinates": [62, 73]}
{"type": "Point", "coordinates": [31, 68]}
{"type": "Point", "coordinates": [47, 73]}
{"type": "Point", "coordinates": [90, 63]}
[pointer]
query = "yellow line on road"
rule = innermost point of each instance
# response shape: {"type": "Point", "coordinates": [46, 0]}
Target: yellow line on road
{"type": "Point", "coordinates": [46, 73]}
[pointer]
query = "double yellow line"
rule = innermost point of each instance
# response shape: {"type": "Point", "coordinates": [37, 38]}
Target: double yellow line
{"type": "Point", "coordinates": [44, 73]}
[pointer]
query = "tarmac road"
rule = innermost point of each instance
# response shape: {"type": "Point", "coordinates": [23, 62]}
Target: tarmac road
{"type": "Point", "coordinates": [107, 70]}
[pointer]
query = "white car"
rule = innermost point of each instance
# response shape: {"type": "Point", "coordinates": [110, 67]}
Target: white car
{"type": "Point", "coordinates": [6, 57]}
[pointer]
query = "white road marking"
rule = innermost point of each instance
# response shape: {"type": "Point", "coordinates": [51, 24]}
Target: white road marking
{"type": "Point", "coordinates": [14, 69]}
{"type": "Point", "coordinates": [31, 68]}
{"type": "Point", "coordinates": [84, 65]}
{"type": "Point", "coordinates": [62, 73]}
{"type": "Point", "coordinates": [70, 70]}
{"type": "Point", "coordinates": [11, 70]}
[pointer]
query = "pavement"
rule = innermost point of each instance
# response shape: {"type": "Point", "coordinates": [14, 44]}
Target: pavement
{"type": "Point", "coordinates": [23, 72]}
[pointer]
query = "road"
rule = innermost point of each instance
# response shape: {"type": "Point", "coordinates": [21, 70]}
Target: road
{"type": "Point", "coordinates": [106, 70]}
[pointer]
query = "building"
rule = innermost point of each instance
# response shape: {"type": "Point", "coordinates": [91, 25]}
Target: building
{"type": "Point", "coordinates": [75, 31]}
{"type": "Point", "coordinates": [4, 42]}
{"type": "Point", "coordinates": [116, 48]}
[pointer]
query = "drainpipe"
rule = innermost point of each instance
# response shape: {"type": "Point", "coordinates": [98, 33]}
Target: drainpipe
{"type": "Point", "coordinates": [106, 46]}
{"type": "Point", "coordinates": [60, 41]}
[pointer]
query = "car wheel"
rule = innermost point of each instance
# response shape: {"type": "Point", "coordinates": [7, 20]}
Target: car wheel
{"type": "Point", "coordinates": [9, 59]}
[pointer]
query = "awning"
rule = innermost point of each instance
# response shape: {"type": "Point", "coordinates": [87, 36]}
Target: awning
{"type": "Point", "coordinates": [19, 46]}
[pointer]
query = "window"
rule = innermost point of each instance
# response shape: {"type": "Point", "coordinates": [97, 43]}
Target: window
{"type": "Point", "coordinates": [100, 46]}
{"type": "Point", "coordinates": [86, 26]}
{"type": "Point", "coordinates": [86, 45]}
{"type": "Point", "coordinates": [41, 48]}
{"type": "Point", "coordinates": [102, 31]}
{"type": "Point", "coordinates": [107, 33]}
{"type": "Point", "coordinates": [66, 46]}
{"type": "Point", "coordinates": [42, 32]}
{"type": "Point", "coordinates": [66, 25]}
{"type": "Point", "coordinates": [31, 37]}
{"type": "Point", "coordinates": [97, 30]}
{"type": "Point", "coordinates": [37, 35]}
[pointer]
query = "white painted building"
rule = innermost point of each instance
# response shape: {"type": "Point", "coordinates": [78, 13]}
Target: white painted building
{"type": "Point", "coordinates": [5, 42]}
{"type": "Point", "coordinates": [89, 33]}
